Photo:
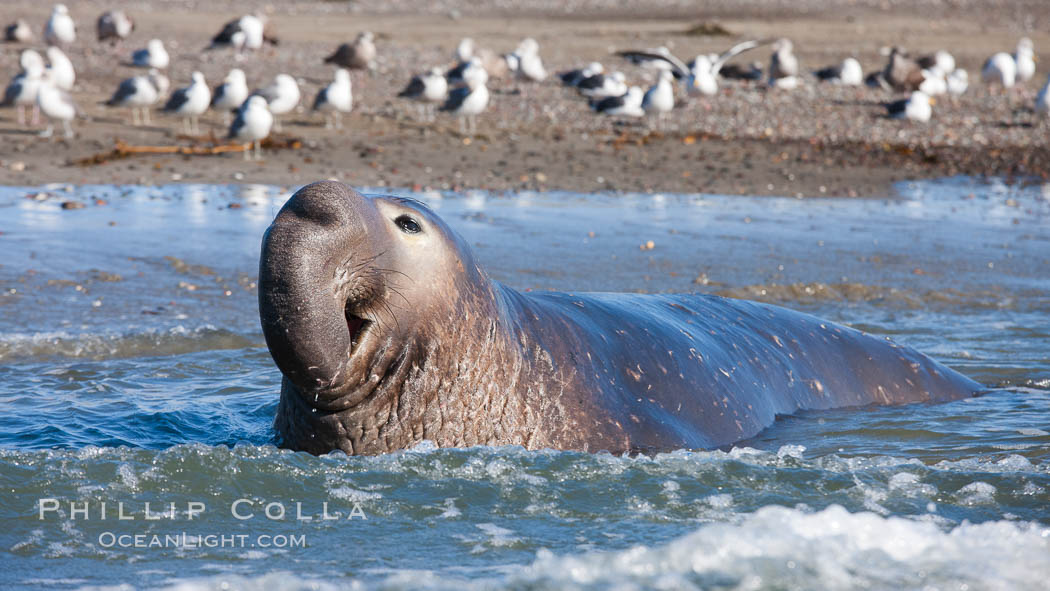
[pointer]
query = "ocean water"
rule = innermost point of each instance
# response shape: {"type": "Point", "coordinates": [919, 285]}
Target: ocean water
{"type": "Point", "coordinates": [133, 372]}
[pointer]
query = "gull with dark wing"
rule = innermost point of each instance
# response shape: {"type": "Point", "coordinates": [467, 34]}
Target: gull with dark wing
{"type": "Point", "coordinates": [628, 104]}
{"type": "Point", "coordinates": [427, 89]}
{"type": "Point", "coordinates": [23, 88]}
{"type": "Point", "coordinates": [783, 65]}
{"type": "Point", "coordinates": [253, 123]}
{"type": "Point", "coordinates": [704, 70]}
{"type": "Point", "coordinates": [114, 25]}
{"type": "Point", "coordinates": [190, 102]}
{"type": "Point", "coordinates": [848, 73]}
{"type": "Point", "coordinates": [467, 102]}
{"type": "Point", "coordinates": [18, 32]}
{"type": "Point", "coordinates": [152, 56]}
{"type": "Point", "coordinates": [138, 93]}
{"type": "Point", "coordinates": [917, 107]}
{"type": "Point", "coordinates": [231, 94]}
{"type": "Point", "coordinates": [335, 99]}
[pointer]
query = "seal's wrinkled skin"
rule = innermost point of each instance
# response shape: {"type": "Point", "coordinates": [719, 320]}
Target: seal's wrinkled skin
{"type": "Point", "coordinates": [388, 333]}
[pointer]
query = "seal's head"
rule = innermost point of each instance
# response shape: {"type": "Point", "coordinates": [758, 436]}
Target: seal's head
{"type": "Point", "coordinates": [349, 288]}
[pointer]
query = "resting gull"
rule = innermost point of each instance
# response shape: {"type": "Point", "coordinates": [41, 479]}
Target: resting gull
{"type": "Point", "coordinates": [600, 86]}
{"type": "Point", "coordinates": [231, 94]}
{"type": "Point", "coordinates": [574, 77]}
{"type": "Point", "coordinates": [958, 81]}
{"type": "Point", "coordinates": [427, 89]}
{"type": "Point", "coordinates": [359, 55]}
{"type": "Point", "coordinates": [848, 73]}
{"type": "Point", "coordinates": [246, 32]}
{"type": "Point", "coordinates": [628, 104]}
{"type": "Point", "coordinates": [901, 73]}
{"type": "Point", "coordinates": [56, 104]}
{"type": "Point", "coordinates": [152, 56]}
{"type": "Point", "coordinates": [253, 123]}
{"type": "Point", "coordinates": [23, 88]}
{"type": "Point", "coordinates": [18, 32]}
{"type": "Point", "coordinates": [940, 58]}
{"type": "Point", "coordinates": [530, 65]}
{"type": "Point", "coordinates": [60, 29]}
{"type": "Point", "coordinates": [467, 102]}
{"type": "Point", "coordinates": [139, 93]}
{"type": "Point", "coordinates": [282, 95]}
{"type": "Point", "coordinates": [190, 102]}
{"type": "Point", "coordinates": [114, 25]}
{"type": "Point", "coordinates": [335, 99]}
{"type": "Point", "coordinates": [915, 108]}
{"type": "Point", "coordinates": [934, 82]}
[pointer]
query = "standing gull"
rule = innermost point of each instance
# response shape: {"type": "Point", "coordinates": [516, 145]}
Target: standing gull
{"type": "Point", "coordinates": [627, 105]}
{"type": "Point", "coordinates": [282, 95]}
{"type": "Point", "coordinates": [1042, 101]}
{"type": "Point", "coordinates": [901, 73]}
{"type": "Point", "coordinates": [1024, 58]}
{"type": "Point", "coordinates": [659, 98]}
{"type": "Point", "coordinates": [427, 89]}
{"type": "Point", "coordinates": [190, 102]}
{"type": "Point", "coordinates": [56, 104]}
{"type": "Point", "coordinates": [335, 99]}
{"type": "Point", "coordinates": [23, 88]}
{"type": "Point", "coordinates": [915, 108]}
{"type": "Point", "coordinates": [467, 102]}
{"type": "Point", "coordinates": [114, 25]}
{"type": "Point", "coordinates": [18, 32]}
{"type": "Point", "coordinates": [60, 29]}
{"type": "Point", "coordinates": [62, 73]}
{"type": "Point", "coordinates": [253, 124]}
{"type": "Point", "coordinates": [530, 66]}
{"type": "Point", "coordinates": [138, 93]}
{"type": "Point", "coordinates": [1000, 69]}
{"type": "Point", "coordinates": [231, 94]}
{"type": "Point", "coordinates": [152, 56]}
{"type": "Point", "coordinates": [783, 66]}
{"type": "Point", "coordinates": [848, 73]}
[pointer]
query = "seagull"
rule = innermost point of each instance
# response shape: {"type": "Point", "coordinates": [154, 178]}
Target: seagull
{"type": "Point", "coordinates": [1000, 69]}
{"type": "Point", "coordinates": [1042, 101]}
{"type": "Point", "coordinates": [530, 66]}
{"type": "Point", "coordinates": [56, 104]}
{"type": "Point", "coordinates": [958, 81]}
{"type": "Point", "coordinates": [848, 73]}
{"type": "Point", "coordinates": [901, 72]}
{"type": "Point", "coordinates": [659, 98]}
{"type": "Point", "coordinates": [495, 66]}
{"type": "Point", "coordinates": [137, 93]}
{"type": "Point", "coordinates": [231, 94]}
{"type": "Point", "coordinates": [246, 32]}
{"type": "Point", "coordinates": [704, 70]}
{"type": "Point", "coordinates": [18, 32]}
{"type": "Point", "coordinates": [783, 66]}
{"type": "Point", "coordinates": [282, 95]}
{"type": "Point", "coordinates": [114, 24]}
{"type": "Point", "coordinates": [23, 88]}
{"type": "Point", "coordinates": [60, 29]}
{"type": "Point", "coordinates": [701, 75]}
{"type": "Point", "coordinates": [915, 108]}
{"type": "Point", "coordinates": [190, 102]}
{"type": "Point", "coordinates": [941, 58]}
{"type": "Point", "coordinates": [62, 73]}
{"type": "Point", "coordinates": [160, 82]}
{"type": "Point", "coordinates": [472, 69]}
{"type": "Point", "coordinates": [465, 50]}
{"type": "Point", "coordinates": [153, 56]}
{"type": "Point", "coordinates": [659, 58]}
{"type": "Point", "coordinates": [427, 89]}
{"type": "Point", "coordinates": [467, 102]}
{"type": "Point", "coordinates": [253, 124]}
{"type": "Point", "coordinates": [336, 98]}
{"type": "Point", "coordinates": [627, 105]}
{"type": "Point", "coordinates": [735, 72]}
{"type": "Point", "coordinates": [934, 82]}
{"type": "Point", "coordinates": [359, 55]}
{"type": "Point", "coordinates": [574, 77]}
{"type": "Point", "coordinates": [1024, 57]}
{"type": "Point", "coordinates": [600, 86]}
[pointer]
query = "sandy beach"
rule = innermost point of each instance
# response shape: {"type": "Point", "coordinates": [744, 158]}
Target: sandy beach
{"type": "Point", "coordinates": [817, 140]}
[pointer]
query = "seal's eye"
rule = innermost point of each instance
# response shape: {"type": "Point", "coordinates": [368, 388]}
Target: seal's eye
{"type": "Point", "coordinates": [408, 225]}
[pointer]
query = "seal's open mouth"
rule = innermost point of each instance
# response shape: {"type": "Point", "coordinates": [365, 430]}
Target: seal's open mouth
{"type": "Point", "coordinates": [356, 326]}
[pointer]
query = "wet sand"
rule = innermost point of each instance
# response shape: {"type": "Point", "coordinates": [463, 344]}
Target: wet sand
{"type": "Point", "coordinates": [818, 140]}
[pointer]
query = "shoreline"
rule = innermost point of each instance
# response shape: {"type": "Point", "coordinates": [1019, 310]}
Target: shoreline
{"type": "Point", "coordinates": [819, 140]}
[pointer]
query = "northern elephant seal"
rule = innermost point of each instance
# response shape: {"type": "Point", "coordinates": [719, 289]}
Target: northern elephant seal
{"type": "Point", "coordinates": [388, 332]}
